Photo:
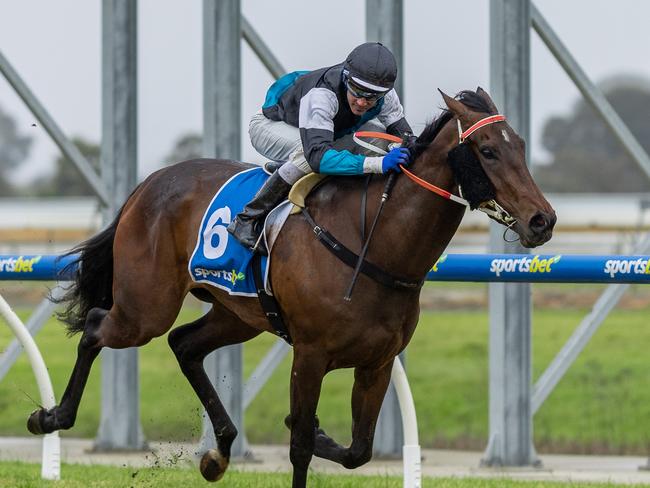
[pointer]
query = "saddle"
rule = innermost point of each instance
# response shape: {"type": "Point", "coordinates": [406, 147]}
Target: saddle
{"type": "Point", "coordinates": [300, 188]}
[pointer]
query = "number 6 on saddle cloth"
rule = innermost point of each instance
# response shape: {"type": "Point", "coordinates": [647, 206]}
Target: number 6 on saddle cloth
{"type": "Point", "coordinates": [218, 258]}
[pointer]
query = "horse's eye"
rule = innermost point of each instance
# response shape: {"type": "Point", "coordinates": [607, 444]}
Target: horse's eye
{"type": "Point", "coordinates": [487, 153]}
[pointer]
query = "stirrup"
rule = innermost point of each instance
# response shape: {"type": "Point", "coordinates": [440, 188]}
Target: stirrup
{"type": "Point", "coordinates": [240, 231]}
{"type": "Point", "coordinates": [260, 246]}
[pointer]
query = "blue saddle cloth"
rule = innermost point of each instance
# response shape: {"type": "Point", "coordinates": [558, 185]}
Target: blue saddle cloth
{"type": "Point", "coordinates": [218, 258]}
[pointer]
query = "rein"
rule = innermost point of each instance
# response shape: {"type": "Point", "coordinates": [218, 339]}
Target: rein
{"type": "Point", "coordinates": [416, 179]}
{"type": "Point", "coordinates": [491, 208]}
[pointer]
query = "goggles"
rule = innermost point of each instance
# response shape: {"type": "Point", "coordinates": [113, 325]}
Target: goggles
{"type": "Point", "coordinates": [359, 92]}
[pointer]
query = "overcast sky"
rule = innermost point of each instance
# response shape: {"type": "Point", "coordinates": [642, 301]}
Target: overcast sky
{"type": "Point", "coordinates": [55, 46]}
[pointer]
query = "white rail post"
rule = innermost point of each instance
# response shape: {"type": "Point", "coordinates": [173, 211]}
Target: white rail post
{"type": "Point", "coordinates": [51, 464]}
{"type": "Point", "coordinates": [411, 450]}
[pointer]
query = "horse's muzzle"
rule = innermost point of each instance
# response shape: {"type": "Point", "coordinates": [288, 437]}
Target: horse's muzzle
{"type": "Point", "coordinates": [539, 230]}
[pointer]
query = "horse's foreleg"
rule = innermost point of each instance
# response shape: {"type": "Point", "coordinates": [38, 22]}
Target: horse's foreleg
{"type": "Point", "coordinates": [63, 415]}
{"type": "Point", "coordinates": [324, 446]}
{"type": "Point", "coordinates": [306, 379]}
{"type": "Point", "coordinates": [191, 343]}
{"type": "Point", "coordinates": [370, 386]}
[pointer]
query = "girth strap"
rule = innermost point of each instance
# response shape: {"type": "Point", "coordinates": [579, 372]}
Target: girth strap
{"type": "Point", "coordinates": [268, 302]}
{"type": "Point", "coordinates": [350, 258]}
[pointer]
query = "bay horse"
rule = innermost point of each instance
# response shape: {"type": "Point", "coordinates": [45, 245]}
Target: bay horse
{"type": "Point", "coordinates": [133, 277]}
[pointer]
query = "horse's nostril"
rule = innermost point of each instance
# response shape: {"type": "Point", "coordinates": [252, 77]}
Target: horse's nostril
{"type": "Point", "coordinates": [539, 223]}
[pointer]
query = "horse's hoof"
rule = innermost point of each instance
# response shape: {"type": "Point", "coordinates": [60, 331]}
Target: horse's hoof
{"type": "Point", "coordinates": [34, 422]}
{"type": "Point", "coordinates": [213, 465]}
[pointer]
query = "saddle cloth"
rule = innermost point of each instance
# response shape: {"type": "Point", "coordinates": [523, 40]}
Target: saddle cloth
{"type": "Point", "coordinates": [218, 258]}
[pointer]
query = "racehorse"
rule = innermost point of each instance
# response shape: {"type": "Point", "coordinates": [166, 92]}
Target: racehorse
{"type": "Point", "coordinates": [133, 276]}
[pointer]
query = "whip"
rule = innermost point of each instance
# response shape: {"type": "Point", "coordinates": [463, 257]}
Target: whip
{"type": "Point", "coordinates": [384, 196]}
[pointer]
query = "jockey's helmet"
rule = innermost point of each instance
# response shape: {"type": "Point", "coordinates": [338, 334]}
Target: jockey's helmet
{"type": "Point", "coordinates": [371, 67]}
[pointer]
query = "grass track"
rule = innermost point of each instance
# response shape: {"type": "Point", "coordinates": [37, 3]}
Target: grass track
{"type": "Point", "coordinates": [21, 475]}
{"type": "Point", "coordinates": [602, 405]}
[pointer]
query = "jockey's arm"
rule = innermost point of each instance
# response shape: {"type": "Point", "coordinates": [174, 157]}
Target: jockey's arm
{"type": "Point", "coordinates": [316, 122]}
{"type": "Point", "coordinates": [392, 115]}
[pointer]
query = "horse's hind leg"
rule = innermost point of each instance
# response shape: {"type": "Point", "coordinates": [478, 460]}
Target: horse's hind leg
{"type": "Point", "coordinates": [191, 343]}
{"type": "Point", "coordinates": [127, 324]}
{"type": "Point", "coordinates": [370, 386]}
{"type": "Point", "coordinates": [63, 415]}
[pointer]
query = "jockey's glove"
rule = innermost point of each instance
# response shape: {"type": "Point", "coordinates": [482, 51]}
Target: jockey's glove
{"type": "Point", "coordinates": [392, 160]}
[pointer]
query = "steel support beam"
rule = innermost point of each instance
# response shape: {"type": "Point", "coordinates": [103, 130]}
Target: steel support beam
{"type": "Point", "coordinates": [119, 427]}
{"type": "Point", "coordinates": [384, 23]}
{"type": "Point", "coordinates": [68, 149]}
{"type": "Point", "coordinates": [510, 417]}
{"type": "Point", "coordinates": [222, 34]}
{"type": "Point", "coordinates": [262, 51]}
{"type": "Point", "coordinates": [591, 93]}
{"type": "Point", "coordinates": [264, 370]}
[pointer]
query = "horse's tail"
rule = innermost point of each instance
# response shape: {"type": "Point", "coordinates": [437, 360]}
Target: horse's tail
{"type": "Point", "coordinates": [93, 278]}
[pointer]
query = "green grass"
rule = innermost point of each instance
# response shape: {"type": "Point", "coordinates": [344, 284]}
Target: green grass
{"type": "Point", "coordinates": [20, 475]}
{"type": "Point", "coordinates": [602, 404]}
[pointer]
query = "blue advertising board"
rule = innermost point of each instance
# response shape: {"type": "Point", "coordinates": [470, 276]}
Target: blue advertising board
{"type": "Point", "coordinates": [532, 268]}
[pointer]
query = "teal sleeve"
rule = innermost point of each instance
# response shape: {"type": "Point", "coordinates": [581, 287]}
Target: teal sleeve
{"type": "Point", "coordinates": [336, 162]}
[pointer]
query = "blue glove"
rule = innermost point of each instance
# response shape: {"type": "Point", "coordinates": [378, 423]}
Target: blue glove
{"type": "Point", "coordinates": [392, 160]}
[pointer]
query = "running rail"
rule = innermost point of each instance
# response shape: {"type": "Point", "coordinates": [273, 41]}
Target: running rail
{"type": "Point", "coordinates": [529, 268]}
{"type": "Point", "coordinates": [51, 464]}
{"type": "Point", "coordinates": [411, 450]}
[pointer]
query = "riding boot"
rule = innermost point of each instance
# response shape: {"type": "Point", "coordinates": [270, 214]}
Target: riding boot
{"type": "Point", "coordinates": [247, 225]}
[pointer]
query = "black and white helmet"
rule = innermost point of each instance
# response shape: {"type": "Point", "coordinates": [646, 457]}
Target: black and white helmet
{"type": "Point", "coordinates": [372, 67]}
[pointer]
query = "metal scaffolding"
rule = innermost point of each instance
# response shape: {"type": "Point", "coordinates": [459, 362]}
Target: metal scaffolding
{"type": "Point", "coordinates": [513, 400]}
{"type": "Point", "coordinates": [119, 427]}
{"type": "Point", "coordinates": [511, 429]}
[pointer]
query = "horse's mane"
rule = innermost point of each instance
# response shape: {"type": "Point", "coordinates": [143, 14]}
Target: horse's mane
{"type": "Point", "coordinates": [469, 98]}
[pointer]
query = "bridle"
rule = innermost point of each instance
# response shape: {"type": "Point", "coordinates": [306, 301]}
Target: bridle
{"type": "Point", "coordinates": [476, 126]}
{"type": "Point", "coordinates": [491, 208]}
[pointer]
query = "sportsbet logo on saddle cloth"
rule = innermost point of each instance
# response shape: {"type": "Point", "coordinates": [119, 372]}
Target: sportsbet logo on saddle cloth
{"type": "Point", "coordinates": [218, 258]}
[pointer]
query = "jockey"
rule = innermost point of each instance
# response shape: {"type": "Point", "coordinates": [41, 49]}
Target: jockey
{"type": "Point", "coordinates": [308, 119]}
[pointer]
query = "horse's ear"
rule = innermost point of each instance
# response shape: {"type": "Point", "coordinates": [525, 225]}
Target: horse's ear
{"type": "Point", "coordinates": [456, 107]}
{"type": "Point", "coordinates": [484, 95]}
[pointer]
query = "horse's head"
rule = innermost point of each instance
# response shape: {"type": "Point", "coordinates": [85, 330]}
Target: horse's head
{"type": "Point", "coordinates": [490, 166]}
